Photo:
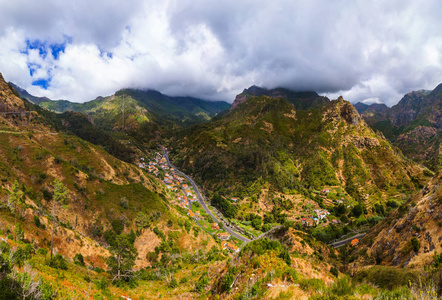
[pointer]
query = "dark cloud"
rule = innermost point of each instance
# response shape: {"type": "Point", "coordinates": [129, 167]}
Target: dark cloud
{"type": "Point", "coordinates": [375, 50]}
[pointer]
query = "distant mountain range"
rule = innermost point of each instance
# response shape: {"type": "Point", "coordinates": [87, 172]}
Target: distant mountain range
{"type": "Point", "coordinates": [300, 100]}
{"type": "Point", "coordinates": [413, 124]}
{"type": "Point", "coordinates": [144, 113]}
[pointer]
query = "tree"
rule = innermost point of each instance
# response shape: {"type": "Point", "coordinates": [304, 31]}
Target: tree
{"type": "Point", "coordinates": [61, 193]}
{"type": "Point", "coordinates": [15, 197]}
{"type": "Point", "coordinates": [416, 244]}
{"type": "Point", "coordinates": [358, 210]}
{"type": "Point", "coordinates": [123, 258]}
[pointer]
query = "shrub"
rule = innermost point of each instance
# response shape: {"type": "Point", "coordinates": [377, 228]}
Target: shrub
{"type": "Point", "coordinates": [334, 271]}
{"type": "Point", "coordinates": [152, 257]}
{"type": "Point", "coordinates": [19, 256]}
{"type": "Point", "coordinates": [37, 221]}
{"type": "Point", "coordinates": [173, 283]}
{"type": "Point", "coordinates": [78, 259]}
{"type": "Point", "coordinates": [312, 284]}
{"type": "Point", "coordinates": [42, 251]}
{"type": "Point", "coordinates": [342, 287]}
{"type": "Point", "coordinates": [4, 247]}
{"type": "Point", "coordinates": [159, 233]}
{"type": "Point", "coordinates": [118, 226]}
{"type": "Point", "coordinates": [58, 262]}
{"type": "Point", "coordinates": [5, 266]}
{"type": "Point", "coordinates": [124, 203]}
{"type": "Point", "coordinates": [290, 274]}
{"type": "Point", "coordinates": [392, 204]}
{"type": "Point", "coordinates": [202, 282]}
{"type": "Point", "coordinates": [386, 277]}
{"type": "Point", "coordinates": [110, 236]}
{"type": "Point", "coordinates": [227, 282]}
{"type": "Point", "coordinates": [415, 244]}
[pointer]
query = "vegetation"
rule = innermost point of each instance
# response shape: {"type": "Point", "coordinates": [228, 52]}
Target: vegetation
{"type": "Point", "coordinates": [15, 198]}
{"type": "Point", "coordinates": [282, 160]}
{"type": "Point", "coordinates": [60, 195]}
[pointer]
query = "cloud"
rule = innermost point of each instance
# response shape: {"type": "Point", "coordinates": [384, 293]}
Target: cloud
{"type": "Point", "coordinates": [211, 49]}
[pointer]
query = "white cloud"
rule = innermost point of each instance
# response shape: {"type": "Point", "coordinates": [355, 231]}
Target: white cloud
{"type": "Point", "coordinates": [214, 49]}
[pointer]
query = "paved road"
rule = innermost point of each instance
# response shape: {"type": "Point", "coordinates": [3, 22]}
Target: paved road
{"type": "Point", "coordinates": [346, 241]}
{"type": "Point", "coordinates": [201, 200]}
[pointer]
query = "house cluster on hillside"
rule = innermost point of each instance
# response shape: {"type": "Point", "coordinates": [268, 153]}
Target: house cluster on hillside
{"type": "Point", "coordinates": [195, 215]}
{"type": "Point", "coordinates": [314, 220]}
{"type": "Point", "coordinates": [173, 181]}
{"type": "Point", "coordinates": [229, 246]}
{"type": "Point", "coordinates": [223, 236]}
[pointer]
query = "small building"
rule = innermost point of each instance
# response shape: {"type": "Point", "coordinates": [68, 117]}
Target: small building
{"type": "Point", "coordinates": [223, 236]}
{"type": "Point", "coordinates": [234, 199]}
{"type": "Point", "coordinates": [224, 245]}
{"type": "Point", "coordinates": [354, 242]}
{"type": "Point", "coordinates": [307, 222]}
{"type": "Point", "coordinates": [321, 213]}
{"type": "Point", "coordinates": [215, 226]}
{"type": "Point", "coordinates": [229, 246]}
{"type": "Point", "coordinates": [336, 221]}
{"type": "Point", "coordinates": [232, 247]}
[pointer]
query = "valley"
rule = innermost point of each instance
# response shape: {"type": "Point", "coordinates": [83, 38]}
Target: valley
{"type": "Point", "coordinates": [284, 195]}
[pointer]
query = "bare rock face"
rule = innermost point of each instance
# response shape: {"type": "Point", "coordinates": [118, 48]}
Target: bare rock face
{"type": "Point", "coordinates": [9, 99]}
{"type": "Point", "coordinates": [362, 142]}
{"type": "Point", "coordinates": [241, 98]}
{"type": "Point", "coordinates": [343, 110]}
{"type": "Point", "coordinates": [349, 113]}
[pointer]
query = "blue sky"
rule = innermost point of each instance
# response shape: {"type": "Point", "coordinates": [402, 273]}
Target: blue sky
{"type": "Point", "coordinates": [44, 49]}
{"type": "Point", "coordinates": [82, 49]}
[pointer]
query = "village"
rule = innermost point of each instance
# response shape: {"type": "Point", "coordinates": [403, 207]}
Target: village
{"type": "Point", "coordinates": [186, 198]}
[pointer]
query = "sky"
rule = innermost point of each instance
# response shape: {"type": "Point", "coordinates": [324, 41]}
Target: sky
{"type": "Point", "coordinates": [369, 51]}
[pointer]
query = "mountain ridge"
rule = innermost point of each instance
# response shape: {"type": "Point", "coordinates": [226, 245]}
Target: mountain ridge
{"type": "Point", "coordinates": [300, 99]}
{"type": "Point", "coordinates": [414, 124]}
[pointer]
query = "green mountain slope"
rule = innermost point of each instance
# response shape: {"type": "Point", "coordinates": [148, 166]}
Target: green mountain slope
{"type": "Point", "coordinates": [267, 141]}
{"type": "Point", "coordinates": [138, 106]}
{"type": "Point", "coordinates": [106, 198]}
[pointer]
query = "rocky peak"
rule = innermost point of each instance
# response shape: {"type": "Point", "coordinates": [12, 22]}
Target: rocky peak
{"type": "Point", "coordinates": [342, 109]}
{"type": "Point", "coordinates": [247, 93]}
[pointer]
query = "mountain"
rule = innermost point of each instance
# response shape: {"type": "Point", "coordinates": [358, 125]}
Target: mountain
{"type": "Point", "coordinates": [121, 233]}
{"type": "Point", "coordinates": [271, 155]}
{"type": "Point", "coordinates": [115, 212]}
{"type": "Point", "coordinates": [411, 235]}
{"type": "Point", "coordinates": [300, 100]}
{"type": "Point", "coordinates": [373, 108]}
{"type": "Point", "coordinates": [109, 202]}
{"type": "Point", "coordinates": [413, 125]}
{"type": "Point", "coordinates": [138, 106]}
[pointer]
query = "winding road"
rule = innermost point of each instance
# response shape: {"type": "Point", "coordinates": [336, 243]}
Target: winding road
{"type": "Point", "coordinates": [348, 240]}
{"type": "Point", "coordinates": [201, 200]}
